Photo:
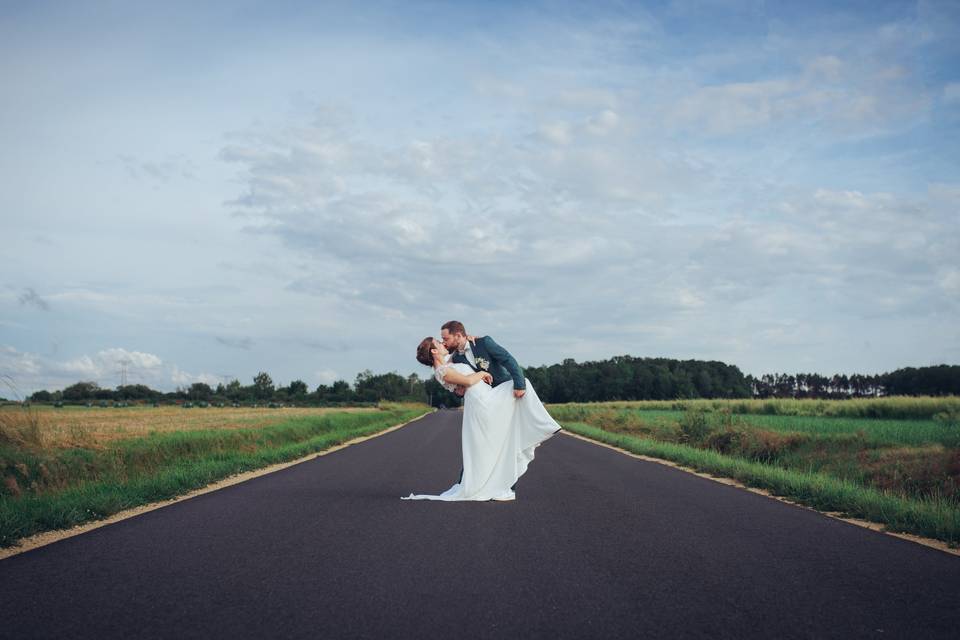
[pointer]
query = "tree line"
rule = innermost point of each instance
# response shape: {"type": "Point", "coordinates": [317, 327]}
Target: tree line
{"type": "Point", "coordinates": [937, 380]}
{"type": "Point", "coordinates": [619, 378]}
{"type": "Point", "coordinates": [631, 378]}
{"type": "Point", "coordinates": [367, 388]}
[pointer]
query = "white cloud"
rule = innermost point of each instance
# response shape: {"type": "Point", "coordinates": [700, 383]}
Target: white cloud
{"type": "Point", "coordinates": [559, 133]}
{"type": "Point", "coordinates": [827, 90]}
{"type": "Point", "coordinates": [326, 376]}
{"type": "Point", "coordinates": [32, 371]}
{"type": "Point", "coordinates": [183, 379]}
{"type": "Point", "coordinates": [603, 123]}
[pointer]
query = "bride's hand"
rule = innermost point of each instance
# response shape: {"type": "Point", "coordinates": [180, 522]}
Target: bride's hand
{"type": "Point", "coordinates": [486, 377]}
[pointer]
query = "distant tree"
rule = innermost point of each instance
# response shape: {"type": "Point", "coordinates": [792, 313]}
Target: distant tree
{"type": "Point", "coordinates": [81, 391]}
{"type": "Point", "coordinates": [41, 396]}
{"type": "Point", "coordinates": [263, 386]}
{"type": "Point", "coordinates": [200, 391]}
{"type": "Point", "coordinates": [370, 387]}
{"type": "Point", "coordinates": [297, 389]}
{"type": "Point", "coordinates": [935, 380]}
{"type": "Point", "coordinates": [233, 391]}
{"type": "Point", "coordinates": [338, 392]}
{"type": "Point", "coordinates": [136, 392]}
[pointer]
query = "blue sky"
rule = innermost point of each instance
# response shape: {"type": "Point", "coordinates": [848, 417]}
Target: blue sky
{"type": "Point", "coordinates": [309, 189]}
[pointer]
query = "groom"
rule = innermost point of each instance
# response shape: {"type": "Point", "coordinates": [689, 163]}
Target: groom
{"type": "Point", "coordinates": [483, 354]}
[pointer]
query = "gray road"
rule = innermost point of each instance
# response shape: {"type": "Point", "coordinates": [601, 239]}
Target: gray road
{"type": "Point", "coordinates": [598, 545]}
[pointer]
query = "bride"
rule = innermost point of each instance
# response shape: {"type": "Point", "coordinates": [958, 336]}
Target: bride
{"type": "Point", "coordinates": [500, 431]}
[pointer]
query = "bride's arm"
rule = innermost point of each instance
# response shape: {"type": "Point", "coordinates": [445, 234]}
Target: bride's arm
{"type": "Point", "coordinates": [452, 376]}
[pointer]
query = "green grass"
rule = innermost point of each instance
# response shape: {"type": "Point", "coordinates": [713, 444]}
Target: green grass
{"type": "Point", "coordinates": [892, 407]}
{"type": "Point", "coordinates": [877, 431]}
{"type": "Point", "coordinates": [933, 518]}
{"type": "Point", "coordinates": [90, 484]}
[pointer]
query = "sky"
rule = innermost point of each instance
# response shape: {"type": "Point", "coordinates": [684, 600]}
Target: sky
{"type": "Point", "coordinates": [195, 192]}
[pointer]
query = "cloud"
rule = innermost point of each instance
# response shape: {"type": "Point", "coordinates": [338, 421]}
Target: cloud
{"type": "Point", "coordinates": [704, 179]}
{"type": "Point", "coordinates": [33, 371]}
{"type": "Point", "coordinates": [183, 379]}
{"type": "Point", "coordinates": [584, 212]}
{"type": "Point", "coordinates": [163, 171]}
{"type": "Point", "coordinates": [29, 297]}
{"type": "Point", "coordinates": [826, 91]}
{"type": "Point", "coordinates": [320, 345]}
{"type": "Point", "coordinates": [236, 343]}
{"type": "Point", "coordinates": [326, 376]}
{"type": "Point", "coordinates": [109, 363]}
{"type": "Point", "coordinates": [862, 254]}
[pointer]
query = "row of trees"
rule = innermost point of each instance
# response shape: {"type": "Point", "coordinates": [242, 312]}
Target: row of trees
{"type": "Point", "coordinates": [910, 381]}
{"type": "Point", "coordinates": [368, 387]}
{"type": "Point", "coordinates": [630, 378]}
{"type": "Point", "coordinates": [814, 385]}
{"type": "Point", "coordinates": [619, 378]}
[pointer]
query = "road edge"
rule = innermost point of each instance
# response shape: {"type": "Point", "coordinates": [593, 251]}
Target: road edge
{"type": "Point", "coordinates": [49, 537]}
{"type": "Point", "coordinates": [933, 543]}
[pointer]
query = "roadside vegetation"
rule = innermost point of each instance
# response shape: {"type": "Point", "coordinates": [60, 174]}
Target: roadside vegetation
{"type": "Point", "coordinates": [55, 478]}
{"type": "Point", "coordinates": [895, 460]}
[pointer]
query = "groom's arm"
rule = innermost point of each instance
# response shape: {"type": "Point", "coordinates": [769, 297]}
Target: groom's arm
{"type": "Point", "coordinates": [501, 355]}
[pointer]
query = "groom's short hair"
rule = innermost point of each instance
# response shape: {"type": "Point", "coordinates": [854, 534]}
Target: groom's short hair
{"type": "Point", "coordinates": [454, 326]}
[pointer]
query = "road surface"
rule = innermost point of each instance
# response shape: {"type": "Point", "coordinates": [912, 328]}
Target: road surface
{"type": "Point", "coordinates": [597, 545]}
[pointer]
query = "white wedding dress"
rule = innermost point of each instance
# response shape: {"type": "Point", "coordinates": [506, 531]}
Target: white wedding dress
{"type": "Point", "coordinates": [499, 435]}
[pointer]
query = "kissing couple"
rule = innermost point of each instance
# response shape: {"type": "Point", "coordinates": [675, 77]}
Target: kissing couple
{"type": "Point", "coordinates": [502, 423]}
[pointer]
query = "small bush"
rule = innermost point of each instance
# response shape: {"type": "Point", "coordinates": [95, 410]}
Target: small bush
{"type": "Point", "coordinates": [694, 426]}
{"type": "Point", "coordinates": [768, 446]}
{"type": "Point", "coordinates": [950, 417]}
{"type": "Point", "coordinates": [726, 441]}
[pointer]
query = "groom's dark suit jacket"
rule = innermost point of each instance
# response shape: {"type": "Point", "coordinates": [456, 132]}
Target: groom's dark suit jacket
{"type": "Point", "coordinates": [500, 364]}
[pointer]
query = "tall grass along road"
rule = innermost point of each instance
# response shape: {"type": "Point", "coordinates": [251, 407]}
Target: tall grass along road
{"type": "Point", "coordinates": [597, 545]}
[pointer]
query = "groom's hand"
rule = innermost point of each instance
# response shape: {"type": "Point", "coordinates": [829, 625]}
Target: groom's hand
{"type": "Point", "coordinates": [460, 390]}
{"type": "Point", "coordinates": [518, 393]}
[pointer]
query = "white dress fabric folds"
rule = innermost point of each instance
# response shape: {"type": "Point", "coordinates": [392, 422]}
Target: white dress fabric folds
{"type": "Point", "coordinates": [499, 436]}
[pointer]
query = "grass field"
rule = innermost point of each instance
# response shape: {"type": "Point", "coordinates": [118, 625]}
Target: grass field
{"type": "Point", "coordinates": [911, 407]}
{"type": "Point", "coordinates": [887, 469]}
{"type": "Point", "coordinates": [93, 426]}
{"type": "Point", "coordinates": [91, 465]}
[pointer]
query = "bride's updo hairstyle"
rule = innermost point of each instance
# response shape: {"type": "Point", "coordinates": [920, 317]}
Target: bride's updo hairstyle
{"type": "Point", "coordinates": [423, 352]}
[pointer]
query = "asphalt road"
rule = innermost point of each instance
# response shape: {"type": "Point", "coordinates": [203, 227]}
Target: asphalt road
{"type": "Point", "coordinates": [597, 545]}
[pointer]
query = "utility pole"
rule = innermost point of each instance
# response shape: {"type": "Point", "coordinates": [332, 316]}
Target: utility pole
{"type": "Point", "coordinates": [126, 362]}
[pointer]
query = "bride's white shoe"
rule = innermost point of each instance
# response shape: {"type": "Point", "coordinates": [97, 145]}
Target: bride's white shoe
{"type": "Point", "coordinates": [507, 497]}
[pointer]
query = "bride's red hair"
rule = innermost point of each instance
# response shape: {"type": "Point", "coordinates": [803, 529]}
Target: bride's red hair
{"type": "Point", "coordinates": [423, 351]}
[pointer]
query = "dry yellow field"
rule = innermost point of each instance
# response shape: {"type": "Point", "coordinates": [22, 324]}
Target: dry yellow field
{"type": "Point", "coordinates": [82, 426]}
